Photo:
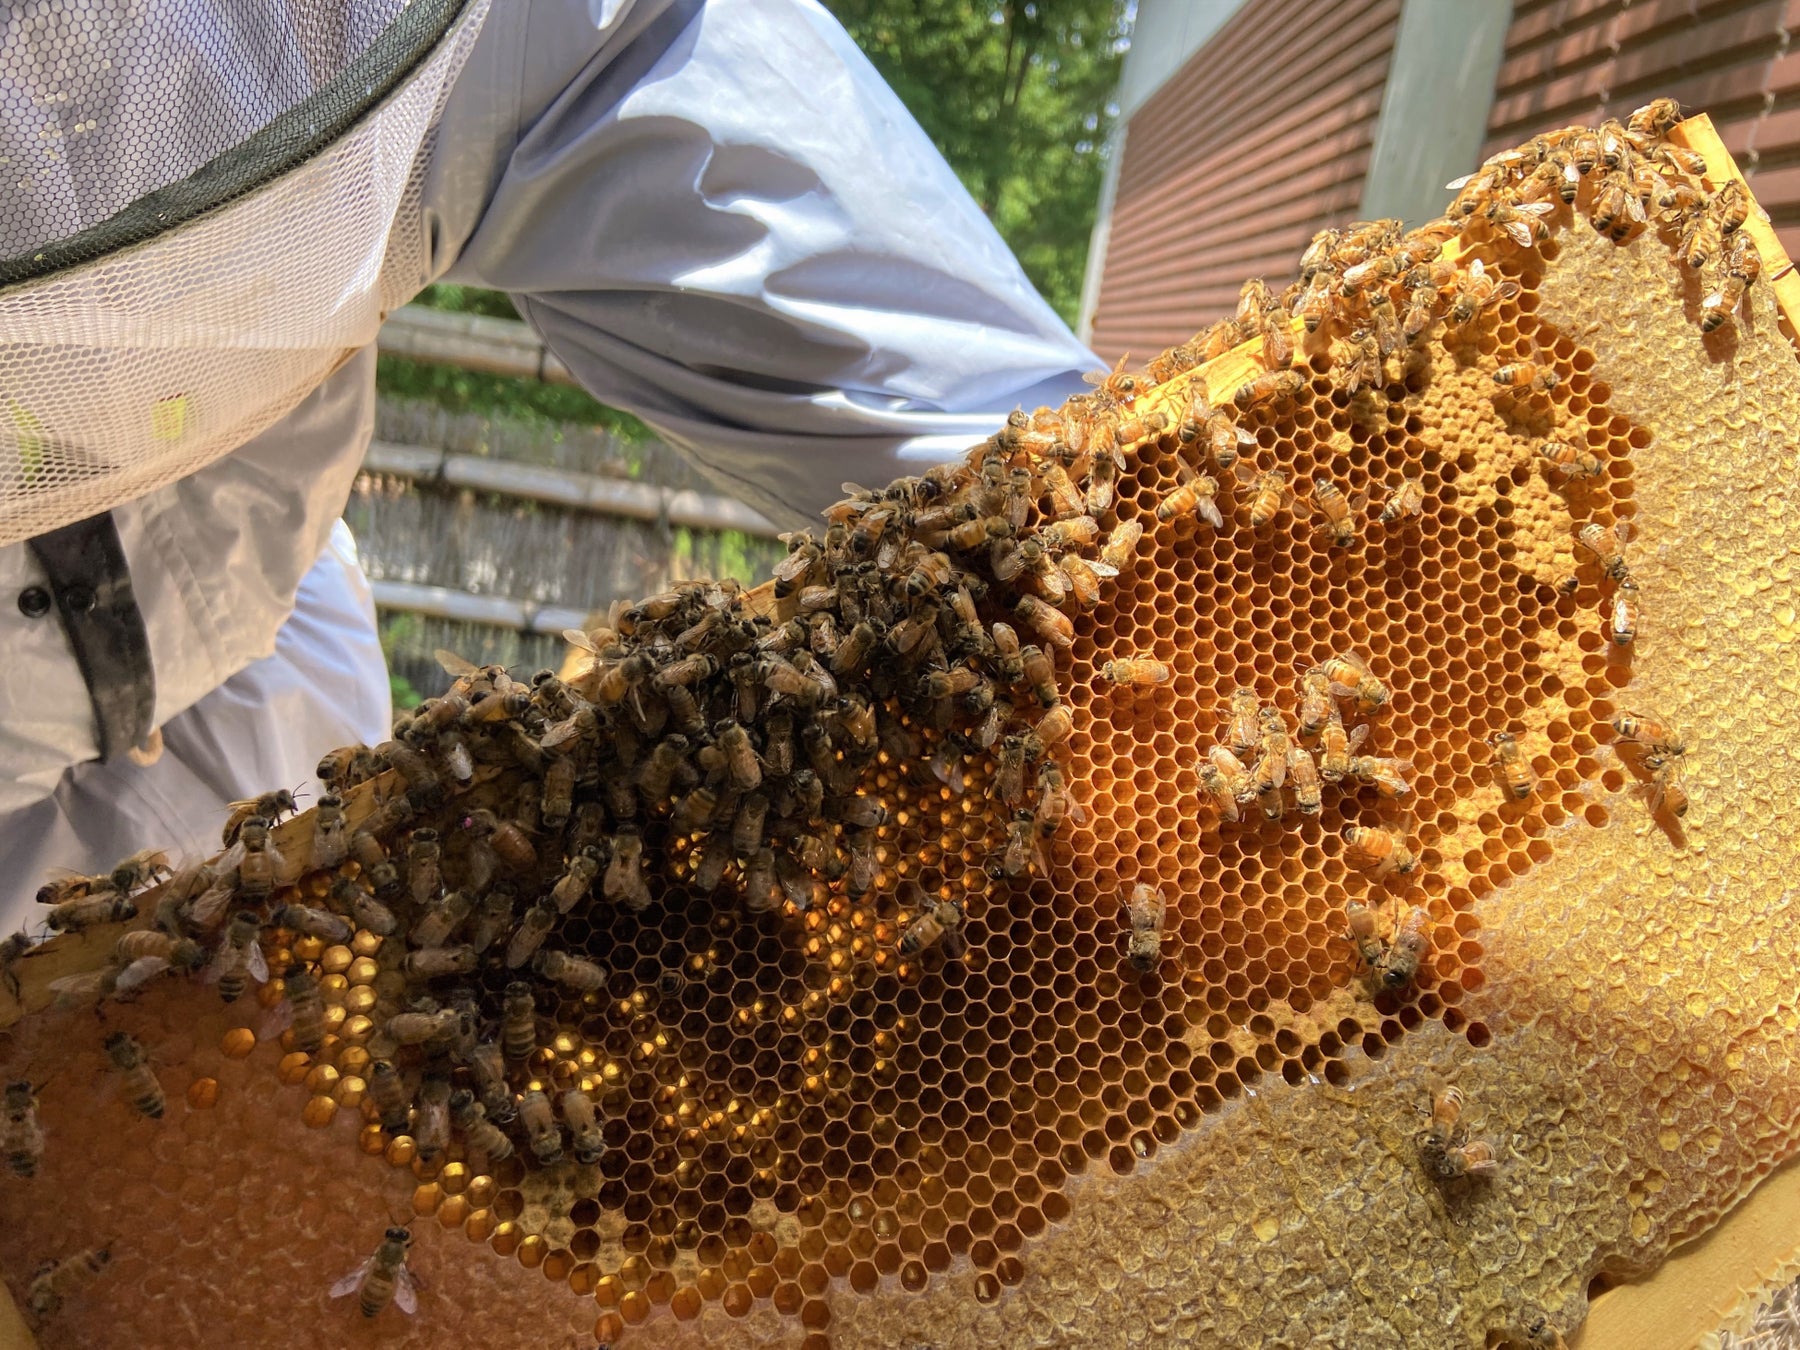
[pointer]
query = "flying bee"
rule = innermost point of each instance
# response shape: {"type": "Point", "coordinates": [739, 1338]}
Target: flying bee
{"type": "Point", "coordinates": [539, 1120]}
{"type": "Point", "coordinates": [1411, 944]}
{"type": "Point", "coordinates": [1316, 705]}
{"type": "Point", "coordinates": [479, 1134]}
{"type": "Point", "coordinates": [1608, 547]}
{"type": "Point", "coordinates": [1195, 493]}
{"type": "Point", "coordinates": [271, 806]}
{"type": "Point", "coordinates": [1334, 511]}
{"type": "Point", "coordinates": [624, 880]}
{"type": "Point", "coordinates": [240, 958]}
{"type": "Point", "coordinates": [1511, 766]}
{"type": "Point", "coordinates": [1378, 850]}
{"type": "Point", "coordinates": [1476, 292]}
{"type": "Point", "coordinates": [431, 1125]}
{"type": "Point", "coordinates": [1573, 461]}
{"type": "Point", "coordinates": [1225, 779]}
{"type": "Point", "coordinates": [330, 840]}
{"type": "Point", "coordinates": [1265, 388]}
{"type": "Point", "coordinates": [140, 1084]}
{"type": "Point", "coordinates": [76, 916]}
{"type": "Point", "coordinates": [584, 1126]}
{"type": "Point", "coordinates": [518, 1022]}
{"type": "Point", "coordinates": [1622, 624]}
{"type": "Point", "coordinates": [55, 1282]}
{"type": "Point", "coordinates": [1527, 377]}
{"type": "Point", "coordinates": [1364, 934]}
{"type": "Point", "coordinates": [1350, 678]}
{"type": "Point", "coordinates": [1121, 544]}
{"type": "Point", "coordinates": [1386, 775]}
{"type": "Point", "coordinates": [305, 1007]}
{"type": "Point", "coordinates": [1651, 732]}
{"type": "Point", "coordinates": [534, 927]}
{"type": "Point", "coordinates": [1303, 777]}
{"type": "Point", "coordinates": [384, 1278]}
{"type": "Point", "coordinates": [1138, 671]}
{"type": "Point", "coordinates": [1268, 494]}
{"type": "Point", "coordinates": [1147, 911]}
{"type": "Point", "coordinates": [21, 1136]}
{"type": "Point", "coordinates": [935, 923]}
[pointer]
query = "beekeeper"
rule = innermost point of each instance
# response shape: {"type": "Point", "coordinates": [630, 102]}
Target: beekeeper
{"type": "Point", "coordinates": [716, 215]}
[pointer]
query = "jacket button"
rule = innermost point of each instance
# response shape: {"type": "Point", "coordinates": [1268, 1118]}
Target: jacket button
{"type": "Point", "coordinates": [34, 602]}
{"type": "Point", "coordinates": [79, 598]}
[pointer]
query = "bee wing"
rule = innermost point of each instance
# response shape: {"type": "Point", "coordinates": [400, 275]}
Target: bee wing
{"type": "Point", "coordinates": [1245, 435]}
{"type": "Point", "coordinates": [1351, 659]}
{"type": "Point", "coordinates": [1244, 472]}
{"type": "Point", "coordinates": [1506, 290]}
{"type": "Point", "coordinates": [1519, 231]}
{"type": "Point", "coordinates": [1477, 270]}
{"type": "Point", "coordinates": [1458, 184]}
{"type": "Point", "coordinates": [258, 963]}
{"type": "Point", "coordinates": [1209, 512]}
{"type": "Point", "coordinates": [561, 734]}
{"type": "Point", "coordinates": [353, 1281]}
{"type": "Point", "coordinates": [454, 664]}
{"type": "Point", "coordinates": [406, 1284]}
{"type": "Point", "coordinates": [1358, 735]}
{"type": "Point", "coordinates": [74, 989]}
{"type": "Point", "coordinates": [280, 1018]}
{"type": "Point", "coordinates": [1103, 569]}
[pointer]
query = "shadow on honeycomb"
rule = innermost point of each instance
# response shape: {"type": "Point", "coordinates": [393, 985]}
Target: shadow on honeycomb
{"type": "Point", "coordinates": [812, 1138]}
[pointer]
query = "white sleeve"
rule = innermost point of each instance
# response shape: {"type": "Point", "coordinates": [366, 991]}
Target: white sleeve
{"type": "Point", "coordinates": [734, 229]}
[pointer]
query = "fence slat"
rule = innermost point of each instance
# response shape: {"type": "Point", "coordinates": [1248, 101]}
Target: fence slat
{"type": "Point", "coordinates": [441, 602]}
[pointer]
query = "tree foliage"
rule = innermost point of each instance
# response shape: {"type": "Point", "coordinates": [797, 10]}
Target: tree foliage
{"type": "Point", "coordinates": [1017, 96]}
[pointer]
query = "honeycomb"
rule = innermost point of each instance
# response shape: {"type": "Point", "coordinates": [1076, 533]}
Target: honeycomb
{"type": "Point", "coordinates": [815, 1136]}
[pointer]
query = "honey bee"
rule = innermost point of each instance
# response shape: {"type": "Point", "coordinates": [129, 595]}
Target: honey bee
{"type": "Point", "coordinates": [1540, 1335]}
{"type": "Point", "coordinates": [793, 571]}
{"type": "Point", "coordinates": [518, 1022]}
{"type": "Point", "coordinates": [1177, 360]}
{"type": "Point", "coordinates": [1334, 508]}
{"type": "Point", "coordinates": [1364, 934]}
{"type": "Point", "coordinates": [423, 870]}
{"type": "Point", "coordinates": [584, 1126]}
{"type": "Point", "coordinates": [1022, 850]}
{"type": "Point", "coordinates": [541, 1129]}
{"type": "Point", "coordinates": [139, 870]}
{"type": "Point", "coordinates": [152, 944]}
{"type": "Point", "coordinates": [1446, 1112]}
{"type": "Point", "coordinates": [1054, 726]}
{"type": "Point", "coordinates": [347, 766]}
{"type": "Point", "coordinates": [479, 1134]}
{"type": "Point", "coordinates": [657, 772]}
{"type": "Point", "coordinates": [1268, 494]}
{"type": "Point", "coordinates": [1055, 802]}
{"type": "Point", "coordinates": [1408, 499]}
{"type": "Point", "coordinates": [1511, 767]}
{"type": "Point", "coordinates": [1527, 376]}
{"type": "Point", "coordinates": [1047, 622]}
{"type": "Point", "coordinates": [1617, 207]}
{"type": "Point", "coordinates": [1359, 366]}
{"type": "Point", "coordinates": [1655, 119]}
{"type": "Point", "coordinates": [1607, 547]}
{"type": "Point", "coordinates": [256, 868]}
{"type": "Point", "coordinates": [1664, 792]}
{"type": "Point", "coordinates": [76, 916]}
{"type": "Point", "coordinates": [760, 895]}
{"type": "Point", "coordinates": [13, 950]}
{"type": "Point", "coordinates": [624, 881]}
{"type": "Point", "coordinates": [1303, 777]}
{"type": "Point", "coordinates": [1266, 388]}
{"type": "Point", "coordinates": [1701, 239]}
{"type": "Point", "coordinates": [55, 1282]}
{"type": "Point", "coordinates": [141, 1087]}
{"type": "Point", "coordinates": [533, 928]}
{"type": "Point", "coordinates": [432, 962]}
{"type": "Point", "coordinates": [572, 972]}
{"type": "Point", "coordinates": [431, 1127]}
{"type": "Point", "coordinates": [1225, 779]}
{"type": "Point", "coordinates": [1423, 298]}
{"type": "Point", "coordinates": [1475, 1158]}
{"type": "Point", "coordinates": [1743, 266]}
{"type": "Point", "coordinates": [1138, 671]}
{"type": "Point", "coordinates": [424, 1028]}
{"type": "Point", "coordinates": [1315, 706]}
{"type": "Point", "coordinates": [1085, 578]}
{"type": "Point", "coordinates": [1622, 625]}
{"type": "Point", "coordinates": [1378, 850]}
{"type": "Point", "coordinates": [1411, 944]}
{"type": "Point", "coordinates": [1650, 731]}
{"type": "Point", "coordinates": [393, 1103]}
{"type": "Point", "coordinates": [240, 957]}
{"type": "Point", "coordinates": [1476, 292]}
{"type": "Point", "coordinates": [305, 1008]}
{"type": "Point", "coordinates": [21, 1136]}
{"type": "Point", "coordinates": [271, 806]}
{"type": "Point", "coordinates": [939, 922]}
{"type": "Point", "coordinates": [330, 839]}
{"type": "Point", "coordinates": [1147, 910]}
{"type": "Point", "coordinates": [384, 1278]}
{"type": "Point", "coordinates": [374, 863]}
{"type": "Point", "coordinates": [1387, 775]}
{"type": "Point", "coordinates": [1350, 677]}
{"type": "Point", "coordinates": [1009, 772]}
{"type": "Point", "coordinates": [1196, 493]}
{"type": "Point", "coordinates": [1121, 544]}
{"type": "Point", "coordinates": [1573, 461]}
{"type": "Point", "coordinates": [1101, 479]}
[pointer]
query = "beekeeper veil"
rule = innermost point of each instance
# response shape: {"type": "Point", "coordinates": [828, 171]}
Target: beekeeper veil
{"type": "Point", "coordinates": [205, 207]}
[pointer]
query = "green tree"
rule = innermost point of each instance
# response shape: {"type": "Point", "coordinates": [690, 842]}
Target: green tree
{"type": "Point", "coordinates": [1018, 97]}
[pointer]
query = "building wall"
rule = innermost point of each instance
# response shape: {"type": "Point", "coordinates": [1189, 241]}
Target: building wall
{"type": "Point", "coordinates": [1260, 139]}
{"type": "Point", "coordinates": [1582, 60]}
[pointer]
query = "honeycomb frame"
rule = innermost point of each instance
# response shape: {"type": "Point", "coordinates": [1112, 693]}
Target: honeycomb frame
{"type": "Point", "coordinates": [779, 1279]}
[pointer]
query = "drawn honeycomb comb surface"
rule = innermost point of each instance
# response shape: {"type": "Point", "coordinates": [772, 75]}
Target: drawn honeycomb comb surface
{"type": "Point", "coordinates": [813, 1140]}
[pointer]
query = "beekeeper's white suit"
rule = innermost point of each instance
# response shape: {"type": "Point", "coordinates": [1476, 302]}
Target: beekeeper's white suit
{"type": "Point", "coordinates": [716, 214]}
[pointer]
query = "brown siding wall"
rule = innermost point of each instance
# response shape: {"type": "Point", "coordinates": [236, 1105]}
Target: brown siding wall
{"type": "Point", "coordinates": [1261, 140]}
{"type": "Point", "coordinates": [1582, 60]}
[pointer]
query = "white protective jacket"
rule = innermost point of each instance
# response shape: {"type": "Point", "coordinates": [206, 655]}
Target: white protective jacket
{"type": "Point", "coordinates": [716, 214]}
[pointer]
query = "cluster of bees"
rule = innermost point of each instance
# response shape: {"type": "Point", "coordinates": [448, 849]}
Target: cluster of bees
{"type": "Point", "coordinates": [730, 750]}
